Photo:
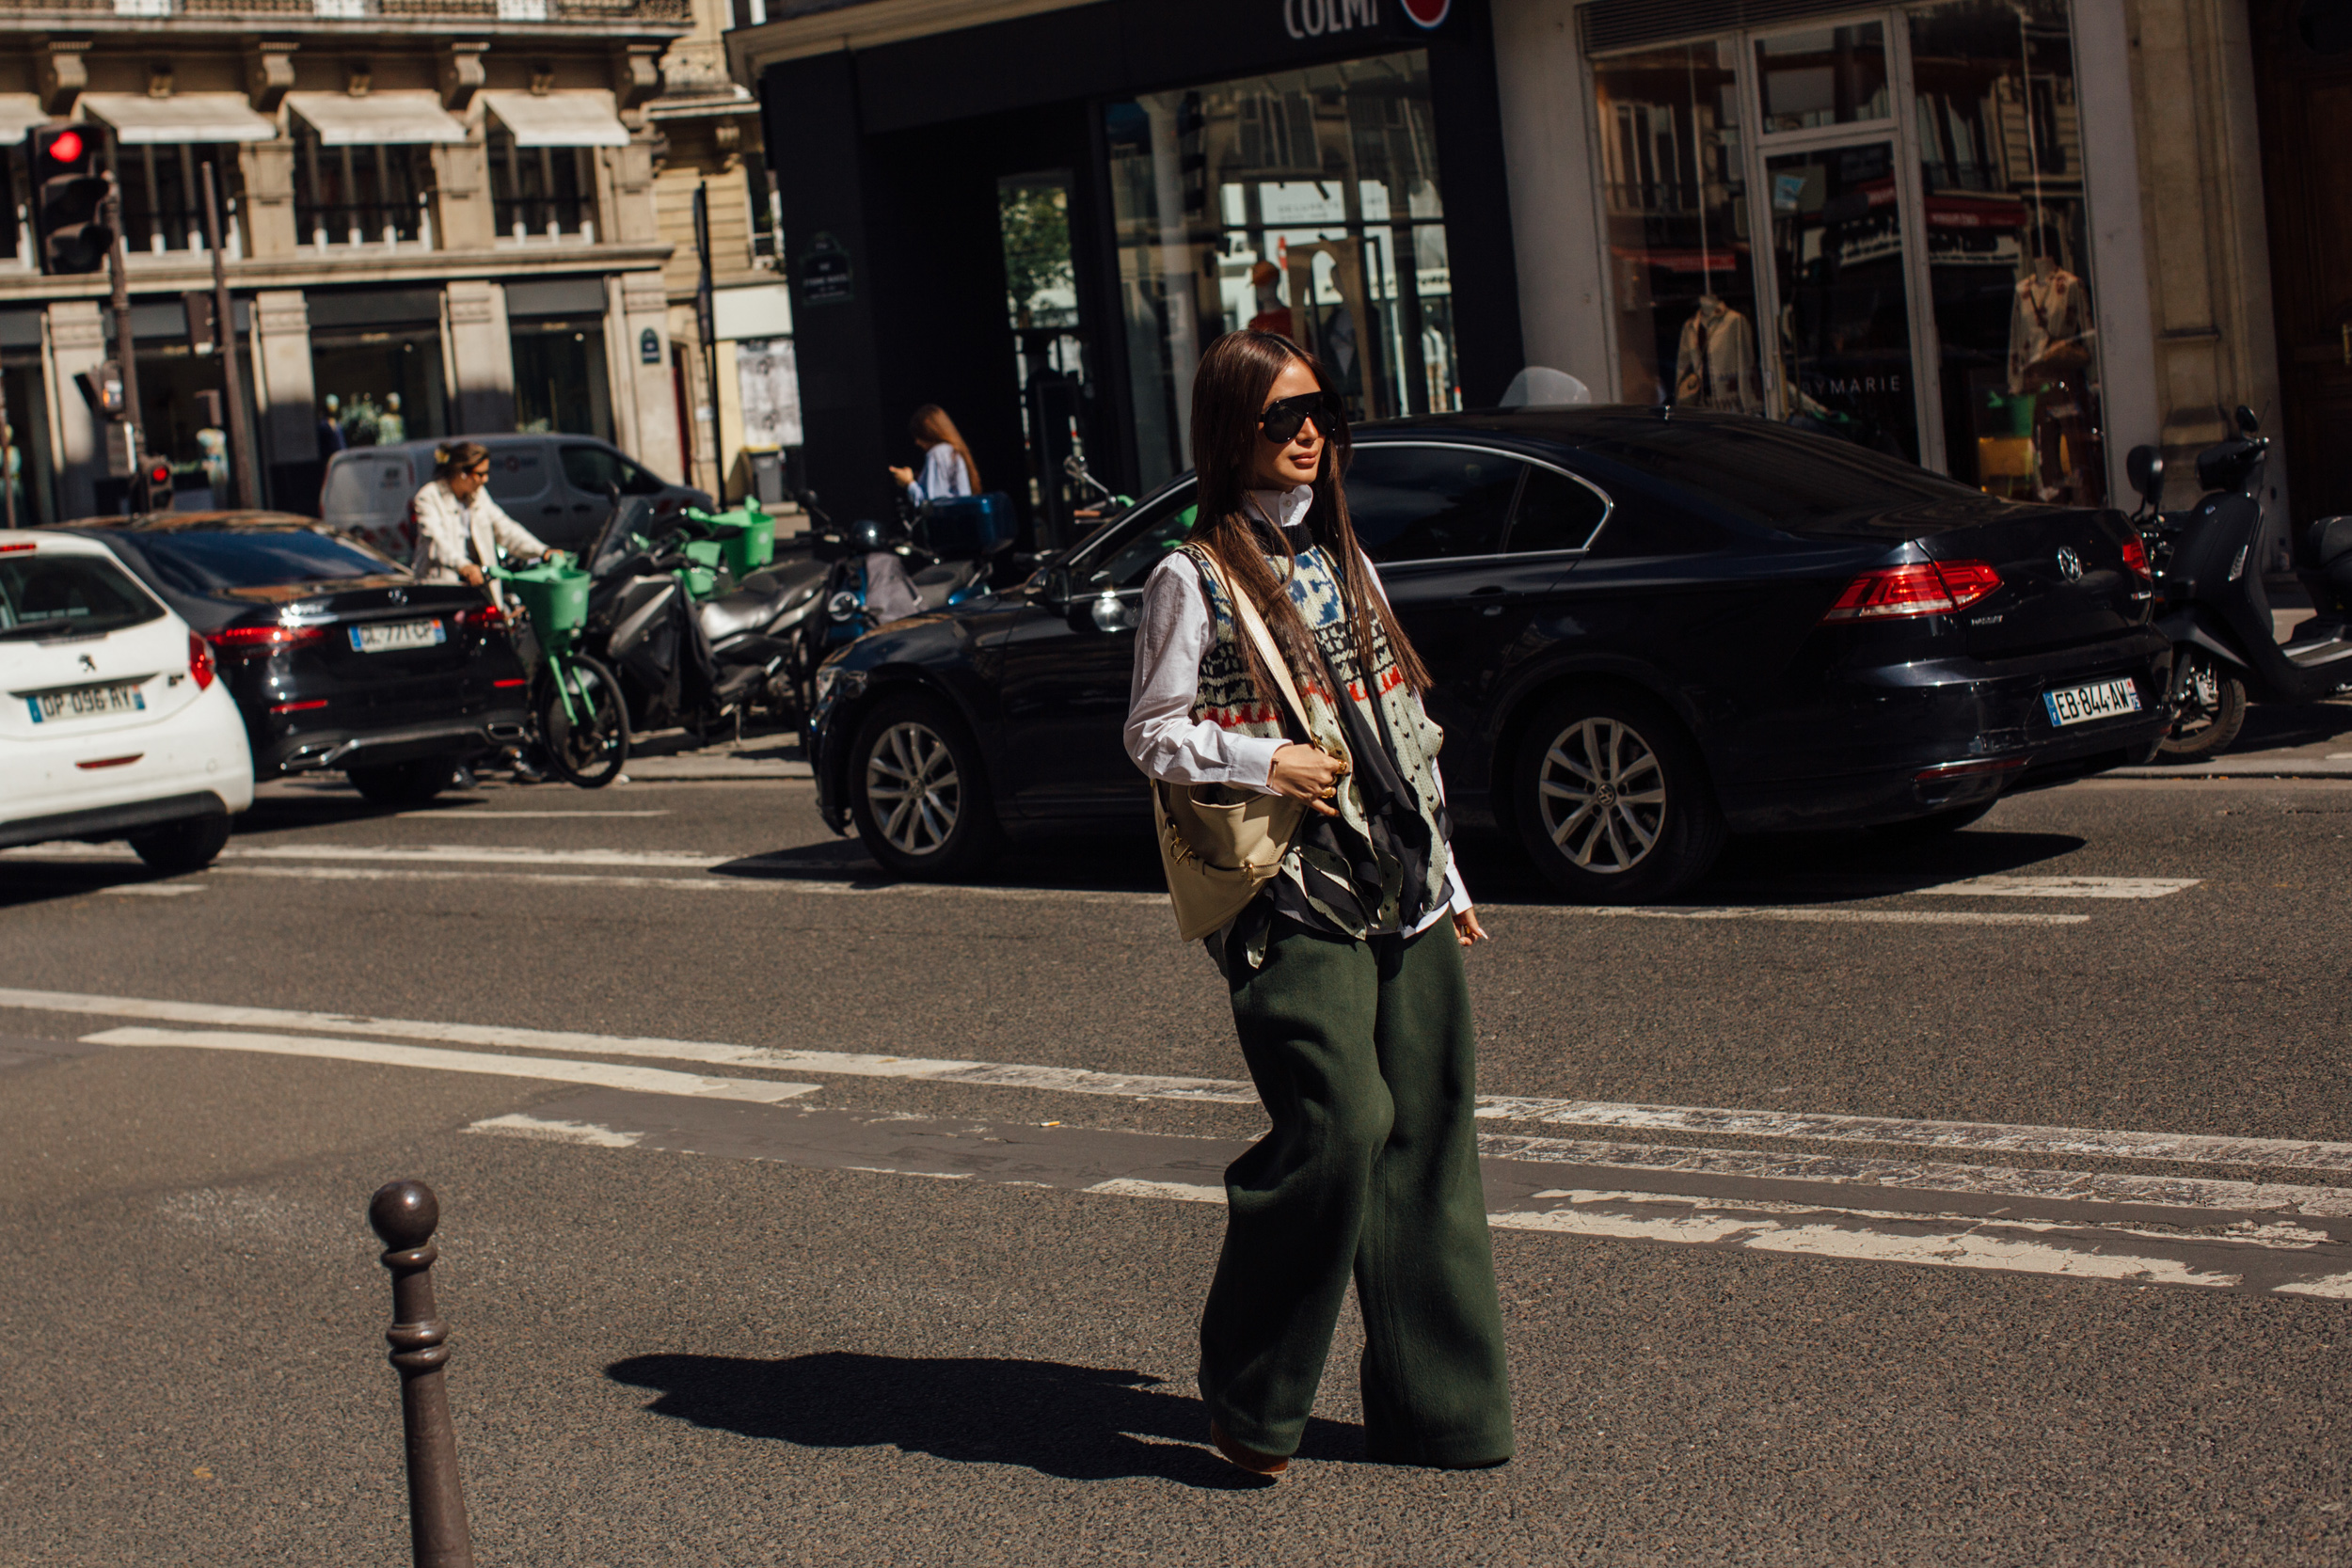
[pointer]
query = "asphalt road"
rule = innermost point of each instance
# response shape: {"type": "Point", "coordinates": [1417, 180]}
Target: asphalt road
{"type": "Point", "coordinates": [853, 1223]}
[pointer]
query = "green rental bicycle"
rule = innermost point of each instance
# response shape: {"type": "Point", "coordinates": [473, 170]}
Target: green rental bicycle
{"type": "Point", "coordinates": [576, 700]}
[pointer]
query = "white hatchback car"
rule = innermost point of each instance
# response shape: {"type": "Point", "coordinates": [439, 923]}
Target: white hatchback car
{"type": "Point", "coordinates": [114, 723]}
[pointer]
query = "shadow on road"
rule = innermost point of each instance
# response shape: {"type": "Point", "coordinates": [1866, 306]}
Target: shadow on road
{"type": "Point", "coordinates": [1080, 1423]}
{"type": "Point", "coordinates": [2277, 726]}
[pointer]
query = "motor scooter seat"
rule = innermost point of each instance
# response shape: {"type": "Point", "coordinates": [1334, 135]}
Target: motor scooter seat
{"type": "Point", "coordinates": [934, 585]}
{"type": "Point", "coordinates": [745, 610]}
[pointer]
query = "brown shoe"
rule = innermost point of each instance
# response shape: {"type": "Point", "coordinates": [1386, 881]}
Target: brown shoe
{"type": "Point", "coordinates": [1249, 1459]}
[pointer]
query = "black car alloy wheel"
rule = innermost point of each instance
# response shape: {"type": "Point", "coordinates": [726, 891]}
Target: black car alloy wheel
{"type": "Point", "coordinates": [1611, 801]}
{"type": "Point", "coordinates": [918, 793]}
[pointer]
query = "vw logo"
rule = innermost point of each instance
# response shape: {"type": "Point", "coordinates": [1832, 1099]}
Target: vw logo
{"type": "Point", "coordinates": [1428, 13]}
{"type": "Point", "coordinates": [2069, 565]}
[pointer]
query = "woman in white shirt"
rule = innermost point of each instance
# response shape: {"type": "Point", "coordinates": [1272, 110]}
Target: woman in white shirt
{"type": "Point", "coordinates": [1345, 973]}
{"type": "Point", "coordinates": [460, 529]}
{"type": "Point", "coordinates": [947, 465]}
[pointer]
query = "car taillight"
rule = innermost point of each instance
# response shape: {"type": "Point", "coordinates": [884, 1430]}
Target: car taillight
{"type": "Point", "coordinates": [487, 617]}
{"type": "Point", "coordinates": [199, 661]}
{"type": "Point", "coordinates": [1922, 588]}
{"type": "Point", "coordinates": [21, 545]}
{"type": "Point", "coordinates": [241, 641]}
{"type": "Point", "coordinates": [2136, 558]}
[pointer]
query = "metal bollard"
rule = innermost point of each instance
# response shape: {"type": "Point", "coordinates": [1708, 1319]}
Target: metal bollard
{"type": "Point", "coordinates": [404, 1215]}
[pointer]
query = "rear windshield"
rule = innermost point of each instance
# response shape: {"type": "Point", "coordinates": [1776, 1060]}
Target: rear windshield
{"type": "Point", "coordinates": [68, 596]}
{"type": "Point", "coordinates": [208, 563]}
{"type": "Point", "coordinates": [1776, 476]}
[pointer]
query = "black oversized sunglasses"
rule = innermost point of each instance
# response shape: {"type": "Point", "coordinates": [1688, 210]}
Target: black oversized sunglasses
{"type": "Point", "coordinates": [1285, 416]}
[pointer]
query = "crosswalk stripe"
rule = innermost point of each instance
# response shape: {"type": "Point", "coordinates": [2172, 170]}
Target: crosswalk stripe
{"type": "Point", "coordinates": [1803, 914]}
{"type": "Point", "coordinates": [604, 1075]}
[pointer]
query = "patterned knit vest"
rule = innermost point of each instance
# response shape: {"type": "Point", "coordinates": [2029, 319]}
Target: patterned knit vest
{"type": "Point", "coordinates": [1228, 697]}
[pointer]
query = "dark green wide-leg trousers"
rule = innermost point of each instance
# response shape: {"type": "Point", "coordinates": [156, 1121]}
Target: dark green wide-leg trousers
{"type": "Point", "coordinates": [1365, 1054]}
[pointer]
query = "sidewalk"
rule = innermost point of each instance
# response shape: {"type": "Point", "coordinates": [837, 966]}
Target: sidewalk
{"type": "Point", "coordinates": [665, 759]}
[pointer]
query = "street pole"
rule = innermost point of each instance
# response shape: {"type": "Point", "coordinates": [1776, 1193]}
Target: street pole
{"type": "Point", "coordinates": [225, 313]}
{"type": "Point", "coordinates": [404, 1215]}
{"type": "Point", "coordinates": [7, 480]}
{"type": "Point", "coordinates": [126, 351]}
{"type": "Point", "coordinates": [706, 327]}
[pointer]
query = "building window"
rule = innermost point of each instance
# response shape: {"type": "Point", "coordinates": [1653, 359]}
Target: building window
{"type": "Point", "coordinates": [363, 195]}
{"type": "Point", "coordinates": [377, 387]}
{"type": "Point", "coordinates": [766, 211]}
{"type": "Point", "coordinates": [560, 381]}
{"type": "Point", "coordinates": [542, 193]}
{"type": "Point", "coordinates": [1305, 203]}
{"type": "Point", "coordinates": [163, 195]}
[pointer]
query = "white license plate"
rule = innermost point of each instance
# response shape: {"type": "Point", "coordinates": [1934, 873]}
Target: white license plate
{"type": "Point", "coordinates": [87, 702]}
{"type": "Point", "coordinates": [2079, 705]}
{"type": "Point", "coordinates": [391, 637]}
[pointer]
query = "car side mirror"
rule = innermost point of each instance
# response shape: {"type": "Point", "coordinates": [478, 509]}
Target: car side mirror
{"type": "Point", "coordinates": [2245, 419]}
{"type": "Point", "coordinates": [1054, 590]}
{"type": "Point", "coordinates": [2144, 467]}
{"type": "Point", "coordinates": [1113, 613]}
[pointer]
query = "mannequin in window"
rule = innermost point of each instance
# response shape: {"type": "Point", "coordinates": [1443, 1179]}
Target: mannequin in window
{"type": "Point", "coordinates": [1273, 315]}
{"type": "Point", "coordinates": [2049, 358]}
{"type": "Point", "coordinates": [1715, 365]}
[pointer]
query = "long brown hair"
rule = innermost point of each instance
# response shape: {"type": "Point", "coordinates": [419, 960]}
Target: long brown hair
{"type": "Point", "coordinates": [1229, 393]}
{"type": "Point", "coordinates": [930, 424]}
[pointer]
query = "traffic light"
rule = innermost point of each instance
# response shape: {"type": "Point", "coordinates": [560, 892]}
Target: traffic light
{"type": "Point", "coordinates": [69, 166]}
{"type": "Point", "coordinates": [151, 487]}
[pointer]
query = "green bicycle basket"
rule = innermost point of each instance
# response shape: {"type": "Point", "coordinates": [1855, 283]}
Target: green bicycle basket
{"type": "Point", "coordinates": [555, 596]}
{"type": "Point", "coordinates": [746, 537]}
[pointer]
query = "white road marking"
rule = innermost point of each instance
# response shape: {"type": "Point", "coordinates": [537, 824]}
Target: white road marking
{"type": "Point", "coordinates": [839, 1063]}
{"type": "Point", "coordinates": [707, 884]}
{"type": "Point", "coordinates": [2011, 1248]}
{"type": "Point", "coordinates": [1803, 914]}
{"type": "Point", "coordinates": [603, 1076]}
{"type": "Point", "coordinates": [1982, 1137]}
{"type": "Point", "coordinates": [154, 890]}
{"type": "Point", "coordinates": [1181, 1192]}
{"type": "Point", "coordinates": [1978, 1137]}
{"type": "Point", "coordinates": [2170, 1192]}
{"type": "Point", "coordinates": [523, 1125]}
{"type": "Point", "coordinates": [2062, 887]}
{"type": "Point", "coordinates": [460, 813]}
{"type": "Point", "coordinates": [2337, 1286]}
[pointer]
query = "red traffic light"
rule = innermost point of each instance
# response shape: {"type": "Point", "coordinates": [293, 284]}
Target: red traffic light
{"type": "Point", "coordinates": [66, 147]}
{"type": "Point", "coordinates": [160, 473]}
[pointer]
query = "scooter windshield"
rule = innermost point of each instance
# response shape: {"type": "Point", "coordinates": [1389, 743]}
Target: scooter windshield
{"type": "Point", "coordinates": [630, 516]}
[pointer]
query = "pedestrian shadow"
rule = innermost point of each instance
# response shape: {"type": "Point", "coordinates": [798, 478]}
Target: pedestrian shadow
{"type": "Point", "coordinates": [1079, 1423]}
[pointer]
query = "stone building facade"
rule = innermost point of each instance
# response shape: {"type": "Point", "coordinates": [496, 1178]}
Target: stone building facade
{"type": "Point", "coordinates": [442, 222]}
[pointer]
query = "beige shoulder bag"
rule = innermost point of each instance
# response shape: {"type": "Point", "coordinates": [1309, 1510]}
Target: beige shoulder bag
{"type": "Point", "coordinates": [1218, 845]}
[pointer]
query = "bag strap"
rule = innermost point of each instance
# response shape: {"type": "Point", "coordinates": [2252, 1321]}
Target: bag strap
{"type": "Point", "coordinates": [1254, 627]}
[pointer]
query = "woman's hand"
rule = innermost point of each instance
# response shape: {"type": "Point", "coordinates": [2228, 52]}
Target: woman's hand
{"type": "Point", "coordinates": [1307, 773]}
{"type": "Point", "coordinates": [902, 477]}
{"type": "Point", "coordinates": [1468, 931]}
{"type": "Point", "coordinates": [471, 573]}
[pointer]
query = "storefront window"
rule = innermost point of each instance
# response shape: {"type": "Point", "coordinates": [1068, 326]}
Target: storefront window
{"type": "Point", "coordinates": [25, 448]}
{"type": "Point", "coordinates": [1678, 228]}
{"type": "Point", "coordinates": [2000, 150]}
{"type": "Point", "coordinates": [1845, 316]}
{"type": "Point", "coordinates": [361, 194]}
{"type": "Point", "coordinates": [1305, 203]}
{"type": "Point", "coordinates": [376, 388]}
{"type": "Point", "coordinates": [560, 382]}
{"type": "Point", "coordinates": [1827, 76]}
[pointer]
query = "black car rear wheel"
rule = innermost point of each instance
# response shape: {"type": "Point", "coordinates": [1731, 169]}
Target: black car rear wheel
{"type": "Point", "coordinates": [404, 784]}
{"type": "Point", "coordinates": [919, 793]}
{"type": "Point", "coordinates": [1611, 801]}
{"type": "Point", "coordinates": [190, 844]}
{"type": "Point", "coordinates": [583, 728]}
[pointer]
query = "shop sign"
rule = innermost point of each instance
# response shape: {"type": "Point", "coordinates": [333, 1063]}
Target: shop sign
{"type": "Point", "coordinates": [826, 276]}
{"type": "Point", "coordinates": [1427, 14]}
{"type": "Point", "coordinates": [1312, 19]}
{"type": "Point", "coordinates": [649, 346]}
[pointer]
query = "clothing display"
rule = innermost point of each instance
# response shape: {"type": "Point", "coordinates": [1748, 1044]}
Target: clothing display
{"type": "Point", "coordinates": [1715, 364]}
{"type": "Point", "coordinates": [2049, 329]}
{"type": "Point", "coordinates": [2049, 358]}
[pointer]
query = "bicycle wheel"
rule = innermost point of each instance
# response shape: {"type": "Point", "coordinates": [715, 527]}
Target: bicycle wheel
{"type": "Point", "coordinates": [586, 740]}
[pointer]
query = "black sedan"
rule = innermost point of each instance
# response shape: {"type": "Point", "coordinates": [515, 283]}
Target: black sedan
{"type": "Point", "coordinates": [1648, 630]}
{"type": "Point", "coordinates": [337, 656]}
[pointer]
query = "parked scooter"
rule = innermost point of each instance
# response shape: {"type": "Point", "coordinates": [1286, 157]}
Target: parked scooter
{"type": "Point", "coordinates": [878, 574]}
{"type": "Point", "coordinates": [2212, 605]}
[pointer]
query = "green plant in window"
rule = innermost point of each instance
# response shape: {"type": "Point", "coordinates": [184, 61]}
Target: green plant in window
{"type": "Point", "coordinates": [1035, 222]}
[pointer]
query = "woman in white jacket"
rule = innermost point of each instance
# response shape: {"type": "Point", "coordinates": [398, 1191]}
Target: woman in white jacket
{"type": "Point", "coordinates": [460, 529]}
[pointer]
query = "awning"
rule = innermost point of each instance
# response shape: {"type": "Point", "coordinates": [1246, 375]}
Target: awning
{"type": "Point", "coordinates": [582, 117]}
{"type": "Point", "coordinates": [178, 120]}
{"type": "Point", "coordinates": [18, 113]}
{"type": "Point", "coordinates": [378, 119]}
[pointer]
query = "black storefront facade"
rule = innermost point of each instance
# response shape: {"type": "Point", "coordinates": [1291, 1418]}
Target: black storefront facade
{"type": "Point", "coordinates": [1041, 222]}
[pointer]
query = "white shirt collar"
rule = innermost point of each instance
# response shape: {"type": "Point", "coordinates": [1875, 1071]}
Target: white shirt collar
{"type": "Point", "coordinates": [1286, 508]}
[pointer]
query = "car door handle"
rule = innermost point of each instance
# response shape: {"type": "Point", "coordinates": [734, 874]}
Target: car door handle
{"type": "Point", "coordinates": [1485, 590]}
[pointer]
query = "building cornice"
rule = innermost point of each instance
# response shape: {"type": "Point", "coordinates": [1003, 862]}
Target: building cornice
{"type": "Point", "coordinates": [865, 24]}
{"type": "Point", "coordinates": [177, 272]}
